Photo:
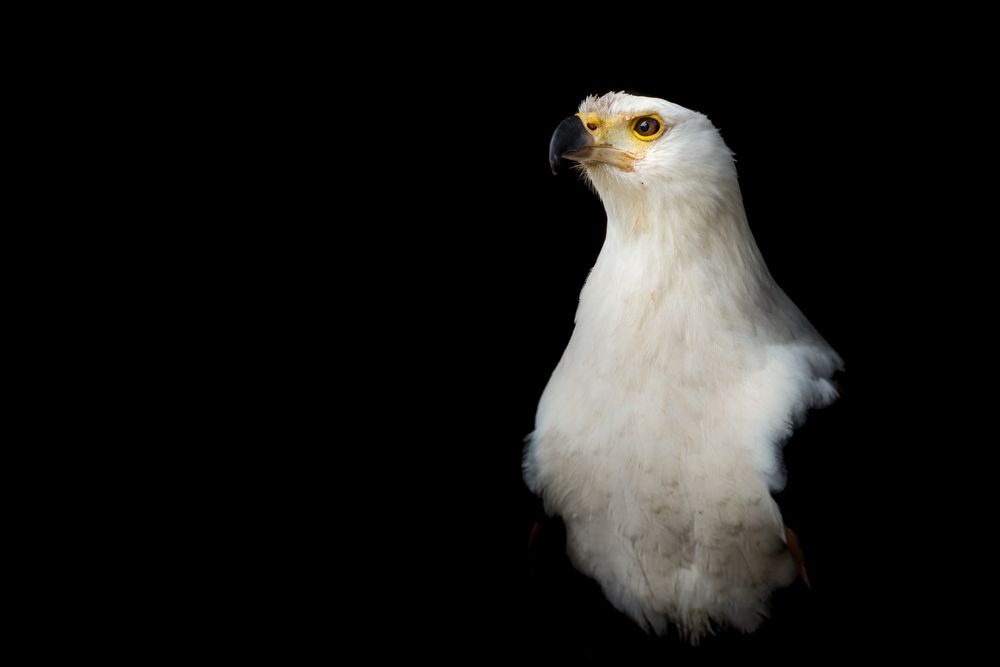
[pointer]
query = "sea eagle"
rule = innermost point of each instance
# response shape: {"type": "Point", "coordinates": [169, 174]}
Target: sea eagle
{"type": "Point", "coordinates": [658, 437]}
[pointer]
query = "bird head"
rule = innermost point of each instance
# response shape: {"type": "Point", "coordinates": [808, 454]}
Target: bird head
{"type": "Point", "coordinates": [628, 144]}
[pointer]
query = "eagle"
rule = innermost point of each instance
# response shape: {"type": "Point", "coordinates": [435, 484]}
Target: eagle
{"type": "Point", "coordinates": [658, 437]}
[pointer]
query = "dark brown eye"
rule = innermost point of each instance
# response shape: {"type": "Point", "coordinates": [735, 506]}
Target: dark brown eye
{"type": "Point", "coordinates": [646, 127]}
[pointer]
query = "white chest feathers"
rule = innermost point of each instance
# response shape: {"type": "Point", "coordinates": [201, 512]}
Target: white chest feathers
{"type": "Point", "coordinates": [658, 437]}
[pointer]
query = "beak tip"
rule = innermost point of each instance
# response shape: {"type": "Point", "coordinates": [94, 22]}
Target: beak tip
{"type": "Point", "coordinates": [554, 161]}
{"type": "Point", "coordinates": [570, 135]}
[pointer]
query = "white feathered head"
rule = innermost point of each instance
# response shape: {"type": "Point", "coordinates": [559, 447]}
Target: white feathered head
{"type": "Point", "coordinates": [628, 144]}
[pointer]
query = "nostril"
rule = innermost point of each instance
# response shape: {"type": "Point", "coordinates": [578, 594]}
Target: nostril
{"type": "Point", "coordinates": [591, 126]}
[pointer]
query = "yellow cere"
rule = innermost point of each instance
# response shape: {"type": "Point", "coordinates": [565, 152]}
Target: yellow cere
{"type": "Point", "coordinates": [591, 120]}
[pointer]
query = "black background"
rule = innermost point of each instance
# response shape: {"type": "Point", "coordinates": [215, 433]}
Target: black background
{"type": "Point", "coordinates": [451, 293]}
{"type": "Point", "coordinates": [346, 273]}
{"type": "Point", "coordinates": [829, 178]}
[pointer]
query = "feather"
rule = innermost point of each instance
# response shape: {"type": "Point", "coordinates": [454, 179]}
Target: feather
{"type": "Point", "coordinates": [658, 437]}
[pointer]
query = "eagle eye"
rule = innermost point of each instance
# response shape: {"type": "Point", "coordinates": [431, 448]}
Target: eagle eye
{"type": "Point", "coordinates": [647, 128]}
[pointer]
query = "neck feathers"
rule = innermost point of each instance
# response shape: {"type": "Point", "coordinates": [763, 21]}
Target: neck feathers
{"type": "Point", "coordinates": [685, 240]}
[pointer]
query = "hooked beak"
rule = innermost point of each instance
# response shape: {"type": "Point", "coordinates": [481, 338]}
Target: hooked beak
{"type": "Point", "coordinates": [570, 137]}
{"type": "Point", "coordinates": [572, 140]}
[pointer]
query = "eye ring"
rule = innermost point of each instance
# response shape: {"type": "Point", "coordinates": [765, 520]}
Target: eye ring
{"type": "Point", "coordinates": [648, 127]}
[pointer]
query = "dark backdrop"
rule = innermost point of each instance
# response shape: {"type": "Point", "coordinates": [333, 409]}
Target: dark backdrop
{"type": "Point", "coordinates": [824, 158]}
{"type": "Point", "coordinates": [378, 274]}
{"type": "Point", "coordinates": [450, 284]}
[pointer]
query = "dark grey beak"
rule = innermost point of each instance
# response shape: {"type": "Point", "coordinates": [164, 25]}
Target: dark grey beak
{"type": "Point", "coordinates": [570, 135]}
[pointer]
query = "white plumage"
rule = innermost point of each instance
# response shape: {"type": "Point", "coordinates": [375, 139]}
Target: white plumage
{"type": "Point", "coordinates": [658, 437]}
